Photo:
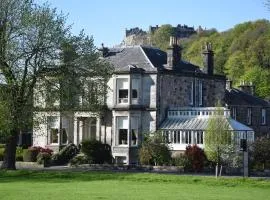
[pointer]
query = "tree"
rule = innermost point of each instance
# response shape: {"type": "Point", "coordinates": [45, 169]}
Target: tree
{"type": "Point", "coordinates": [161, 37]}
{"type": "Point", "coordinates": [34, 44]}
{"type": "Point", "coordinates": [260, 151]}
{"type": "Point", "coordinates": [217, 139]}
{"type": "Point", "coordinates": [154, 150]}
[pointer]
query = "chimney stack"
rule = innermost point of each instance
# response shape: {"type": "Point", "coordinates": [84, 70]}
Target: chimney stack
{"type": "Point", "coordinates": [247, 87]}
{"type": "Point", "coordinates": [208, 60]}
{"type": "Point", "coordinates": [173, 53]}
{"type": "Point", "coordinates": [104, 50]}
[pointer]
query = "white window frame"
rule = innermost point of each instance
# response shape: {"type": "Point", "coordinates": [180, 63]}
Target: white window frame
{"type": "Point", "coordinates": [118, 88]}
{"type": "Point", "coordinates": [200, 93]}
{"type": "Point", "coordinates": [234, 112]}
{"type": "Point", "coordinates": [118, 128]}
{"type": "Point", "coordinates": [53, 123]}
{"type": "Point", "coordinates": [249, 116]}
{"type": "Point", "coordinates": [135, 86]}
{"type": "Point", "coordinates": [263, 116]}
{"type": "Point", "coordinates": [191, 97]}
{"type": "Point", "coordinates": [134, 126]}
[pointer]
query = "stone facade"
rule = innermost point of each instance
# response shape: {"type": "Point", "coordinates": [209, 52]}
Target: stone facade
{"type": "Point", "coordinates": [145, 84]}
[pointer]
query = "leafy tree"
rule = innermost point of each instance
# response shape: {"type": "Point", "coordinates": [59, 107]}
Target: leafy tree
{"type": "Point", "coordinates": [161, 37]}
{"type": "Point", "coordinates": [217, 139]}
{"type": "Point", "coordinates": [36, 51]}
{"type": "Point", "coordinates": [154, 150]}
{"type": "Point", "coordinates": [238, 52]}
{"type": "Point", "coordinates": [260, 151]}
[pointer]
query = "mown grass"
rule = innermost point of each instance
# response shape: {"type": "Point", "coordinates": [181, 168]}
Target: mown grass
{"type": "Point", "coordinates": [112, 185]}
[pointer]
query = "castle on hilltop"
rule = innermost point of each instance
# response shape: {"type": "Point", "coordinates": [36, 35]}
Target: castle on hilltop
{"type": "Point", "coordinates": [138, 36]}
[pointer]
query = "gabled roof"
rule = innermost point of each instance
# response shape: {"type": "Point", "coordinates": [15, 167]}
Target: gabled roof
{"type": "Point", "coordinates": [145, 57]}
{"type": "Point", "coordinates": [238, 97]}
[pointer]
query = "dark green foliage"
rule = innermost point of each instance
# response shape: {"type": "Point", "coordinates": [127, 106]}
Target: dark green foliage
{"type": "Point", "coordinates": [161, 37]}
{"type": "Point", "coordinates": [181, 160]}
{"type": "Point", "coordinates": [64, 155]}
{"type": "Point", "coordinates": [260, 152]}
{"type": "Point", "coordinates": [242, 53]}
{"type": "Point", "coordinates": [154, 151]}
{"type": "Point", "coordinates": [97, 152]}
{"type": "Point", "coordinates": [19, 154]}
{"type": "Point", "coordinates": [2, 154]}
{"type": "Point", "coordinates": [79, 160]}
{"type": "Point", "coordinates": [196, 158]}
{"type": "Point", "coordinates": [30, 155]}
{"type": "Point", "coordinates": [43, 158]}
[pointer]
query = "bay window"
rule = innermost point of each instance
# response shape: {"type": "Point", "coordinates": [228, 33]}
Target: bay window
{"type": "Point", "coordinates": [122, 90]}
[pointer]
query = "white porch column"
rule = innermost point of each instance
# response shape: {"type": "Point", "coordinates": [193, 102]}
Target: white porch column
{"type": "Point", "coordinates": [98, 129]}
{"type": "Point", "coordinates": [81, 125]}
{"type": "Point", "coordinates": [75, 131]}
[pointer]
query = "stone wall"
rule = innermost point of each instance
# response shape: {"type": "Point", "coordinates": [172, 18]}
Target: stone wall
{"type": "Point", "coordinates": [174, 91]}
{"type": "Point", "coordinates": [242, 113]}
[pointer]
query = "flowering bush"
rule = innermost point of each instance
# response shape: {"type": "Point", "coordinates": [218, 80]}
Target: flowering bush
{"type": "Point", "coordinates": [30, 154]}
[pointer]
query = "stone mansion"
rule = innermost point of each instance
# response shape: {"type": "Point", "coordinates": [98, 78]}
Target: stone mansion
{"type": "Point", "coordinates": [155, 90]}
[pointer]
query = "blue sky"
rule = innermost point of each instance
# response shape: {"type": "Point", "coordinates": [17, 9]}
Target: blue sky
{"type": "Point", "coordinates": [107, 20]}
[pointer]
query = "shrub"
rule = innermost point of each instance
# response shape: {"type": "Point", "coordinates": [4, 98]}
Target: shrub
{"type": "Point", "coordinates": [43, 158]}
{"type": "Point", "coordinates": [155, 151]}
{"type": "Point", "coordinates": [19, 154]}
{"type": "Point", "coordinates": [79, 160]}
{"type": "Point", "coordinates": [97, 152]}
{"type": "Point", "coordinates": [260, 152]}
{"type": "Point", "coordinates": [64, 155]}
{"type": "Point", "coordinates": [196, 157]}
{"type": "Point", "coordinates": [2, 146]}
{"type": "Point", "coordinates": [30, 155]}
{"type": "Point", "coordinates": [2, 154]}
{"type": "Point", "coordinates": [182, 160]}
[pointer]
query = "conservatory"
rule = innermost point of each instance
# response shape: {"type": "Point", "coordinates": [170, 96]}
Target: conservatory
{"type": "Point", "coordinates": [187, 126]}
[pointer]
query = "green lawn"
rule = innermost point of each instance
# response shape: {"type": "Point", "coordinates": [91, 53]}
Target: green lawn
{"type": "Point", "coordinates": [106, 185]}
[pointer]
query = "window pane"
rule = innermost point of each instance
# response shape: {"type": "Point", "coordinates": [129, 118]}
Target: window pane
{"type": "Point", "coordinates": [123, 136]}
{"type": "Point", "coordinates": [123, 96]}
{"type": "Point", "coordinates": [54, 135]}
{"type": "Point", "coordinates": [134, 94]}
{"type": "Point", "coordinates": [64, 136]}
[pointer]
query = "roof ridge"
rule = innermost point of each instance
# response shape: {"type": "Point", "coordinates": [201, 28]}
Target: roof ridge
{"type": "Point", "coordinates": [141, 48]}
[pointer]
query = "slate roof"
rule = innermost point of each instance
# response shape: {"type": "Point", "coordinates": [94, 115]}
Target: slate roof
{"type": "Point", "coordinates": [126, 57]}
{"type": "Point", "coordinates": [238, 97]}
{"type": "Point", "coordinates": [146, 57]}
